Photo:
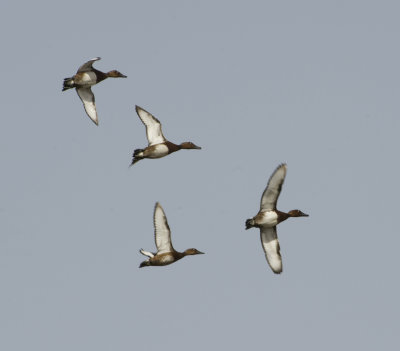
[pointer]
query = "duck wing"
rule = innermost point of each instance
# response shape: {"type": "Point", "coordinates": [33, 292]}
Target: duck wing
{"type": "Point", "coordinates": [162, 233]}
{"type": "Point", "coordinates": [271, 193]}
{"type": "Point", "coordinates": [153, 127]}
{"type": "Point", "coordinates": [87, 66]}
{"type": "Point", "coordinates": [87, 98]}
{"type": "Point", "coordinates": [270, 244]}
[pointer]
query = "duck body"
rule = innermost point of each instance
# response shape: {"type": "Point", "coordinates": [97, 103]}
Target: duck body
{"type": "Point", "coordinates": [269, 217]}
{"type": "Point", "coordinates": [162, 259]}
{"type": "Point", "coordinates": [165, 254]}
{"type": "Point", "coordinates": [155, 151]}
{"type": "Point", "coordinates": [263, 219]}
{"type": "Point", "coordinates": [83, 80]}
{"type": "Point", "coordinates": [158, 146]}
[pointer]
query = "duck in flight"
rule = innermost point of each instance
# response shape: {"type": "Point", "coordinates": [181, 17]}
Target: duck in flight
{"type": "Point", "coordinates": [269, 217]}
{"type": "Point", "coordinates": [85, 77]}
{"type": "Point", "coordinates": [158, 146]}
{"type": "Point", "coordinates": [165, 254]}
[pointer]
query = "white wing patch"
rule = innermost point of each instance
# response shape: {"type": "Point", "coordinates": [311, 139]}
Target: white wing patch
{"type": "Point", "coordinates": [87, 98]}
{"type": "Point", "coordinates": [162, 232]}
{"type": "Point", "coordinates": [270, 243]}
{"type": "Point", "coordinates": [153, 127]}
{"type": "Point", "coordinates": [271, 193]}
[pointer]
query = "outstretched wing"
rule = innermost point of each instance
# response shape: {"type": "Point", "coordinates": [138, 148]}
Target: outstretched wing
{"type": "Point", "coordinates": [87, 98]}
{"type": "Point", "coordinates": [162, 233]}
{"type": "Point", "coordinates": [270, 244]}
{"type": "Point", "coordinates": [153, 126]}
{"type": "Point", "coordinates": [88, 65]}
{"type": "Point", "coordinates": [271, 193]}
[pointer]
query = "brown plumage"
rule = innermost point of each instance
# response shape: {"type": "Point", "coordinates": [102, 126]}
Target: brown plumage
{"type": "Point", "coordinates": [85, 77]}
{"type": "Point", "coordinates": [166, 254]}
{"type": "Point", "coordinates": [269, 217]}
{"type": "Point", "coordinates": [158, 146]}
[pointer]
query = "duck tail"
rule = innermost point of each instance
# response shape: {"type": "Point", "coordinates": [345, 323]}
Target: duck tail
{"type": "Point", "coordinates": [137, 152]}
{"type": "Point", "coordinates": [144, 264]}
{"type": "Point", "coordinates": [68, 84]}
{"type": "Point", "coordinates": [137, 156]}
{"type": "Point", "coordinates": [250, 223]}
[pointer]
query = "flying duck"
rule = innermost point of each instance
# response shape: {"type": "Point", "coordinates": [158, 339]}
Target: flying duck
{"type": "Point", "coordinates": [165, 254]}
{"type": "Point", "coordinates": [85, 77]}
{"type": "Point", "coordinates": [269, 217]}
{"type": "Point", "coordinates": [158, 146]}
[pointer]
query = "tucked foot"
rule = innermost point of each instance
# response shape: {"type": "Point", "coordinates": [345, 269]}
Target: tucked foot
{"type": "Point", "coordinates": [137, 156]}
{"type": "Point", "coordinates": [250, 223]}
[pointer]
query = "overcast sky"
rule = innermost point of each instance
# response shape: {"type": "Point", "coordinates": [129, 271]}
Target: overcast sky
{"type": "Point", "coordinates": [314, 84]}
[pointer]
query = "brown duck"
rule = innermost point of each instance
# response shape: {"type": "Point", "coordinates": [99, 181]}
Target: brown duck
{"type": "Point", "coordinates": [165, 254]}
{"type": "Point", "coordinates": [85, 77]}
{"type": "Point", "coordinates": [269, 217]}
{"type": "Point", "coordinates": [158, 146]}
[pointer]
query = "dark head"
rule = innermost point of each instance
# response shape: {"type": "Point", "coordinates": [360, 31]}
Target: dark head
{"type": "Point", "coordinates": [189, 145]}
{"type": "Point", "coordinates": [192, 252]}
{"type": "Point", "coordinates": [115, 74]}
{"type": "Point", "coordinates": [297, 213]}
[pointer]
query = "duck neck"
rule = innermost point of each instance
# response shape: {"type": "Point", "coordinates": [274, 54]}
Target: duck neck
{"type": "Point", "coordinates": [282, 216]}
{"type": "Point", "coordinates": [179, 255]}
{"type": "Point", "coordinates": [100, 75]}
{"type": "Point", "coordinates": [172, 147]}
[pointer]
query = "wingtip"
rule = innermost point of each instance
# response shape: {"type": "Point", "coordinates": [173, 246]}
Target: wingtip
{"type": "Point", "coordinates": [277, 270]}
{"type": "Point", "coordinates": [139, 109]}
{"type": "Point", "coordinates": [94, 119]}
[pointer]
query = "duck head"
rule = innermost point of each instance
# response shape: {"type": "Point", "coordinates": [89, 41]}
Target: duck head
{"type": "Point", "coordinates": [297, 213]}
{"type": "Point", "coordinates": [193, 252]}
{"type": "Point", "coordinates": [115, 74]}
{"type": "Point", "coordinates": [189, 145]}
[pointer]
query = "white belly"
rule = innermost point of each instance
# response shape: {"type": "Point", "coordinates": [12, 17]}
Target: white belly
{"type": "Point", "coordinates": [268, 219]}
{"type": "Point", "coordinates": [86, 78]}
{"type": "Point", "coordinates": [160, 150]}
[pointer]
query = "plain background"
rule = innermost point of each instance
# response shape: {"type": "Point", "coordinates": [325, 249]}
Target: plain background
{"type": "Point", "coordinates": [314, 84]}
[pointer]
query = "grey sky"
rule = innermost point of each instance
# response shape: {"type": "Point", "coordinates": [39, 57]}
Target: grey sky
{"type": "Point", "coordinates": [314, 84]}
